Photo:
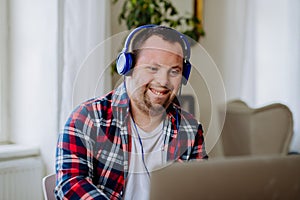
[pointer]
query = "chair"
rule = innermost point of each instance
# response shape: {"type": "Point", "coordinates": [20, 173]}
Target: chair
{"type": "Point", "coordinates": [48, 187]}
{"type": "Point", "coordinates": [256, 131]}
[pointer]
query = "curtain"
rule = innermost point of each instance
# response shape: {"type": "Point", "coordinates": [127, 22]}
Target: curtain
{"type": "Point", "coordinates": [85, 53]}
{"type": "Point", "coordinates": [271, 63]}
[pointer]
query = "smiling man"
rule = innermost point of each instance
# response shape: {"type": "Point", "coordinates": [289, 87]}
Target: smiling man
{"type": "Point", "coordinates": [111, 144]}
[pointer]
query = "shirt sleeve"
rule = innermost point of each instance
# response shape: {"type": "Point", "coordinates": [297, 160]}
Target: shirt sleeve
{"type": "Point", "coordinates": [198, 149]}
{"type": "Point", "coordinates": [74, 159]}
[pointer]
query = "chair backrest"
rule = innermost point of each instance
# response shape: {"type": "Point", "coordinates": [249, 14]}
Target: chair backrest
{"type": "Point", "coordinates": [48, 187]}
{"type": "Point", "coordinates": [256, 131]}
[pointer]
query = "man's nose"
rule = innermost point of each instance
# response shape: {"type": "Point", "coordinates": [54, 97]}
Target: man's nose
{"type": "Point", "coordinates": [163, 78]}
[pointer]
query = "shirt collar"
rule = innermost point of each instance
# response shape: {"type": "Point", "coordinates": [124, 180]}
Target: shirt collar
{"type": "Point", "coordinates": [120, 97]}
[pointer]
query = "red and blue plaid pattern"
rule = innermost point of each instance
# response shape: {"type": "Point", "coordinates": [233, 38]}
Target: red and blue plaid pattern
{"type": "Point", "coordinates": [92, 157]}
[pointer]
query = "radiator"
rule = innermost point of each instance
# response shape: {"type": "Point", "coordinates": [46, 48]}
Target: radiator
{"type": "Point", "coordinates": [21, 178]}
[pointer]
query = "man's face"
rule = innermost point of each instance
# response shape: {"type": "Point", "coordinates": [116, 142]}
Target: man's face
{"type": "Point", "coordinates": [156, 76]}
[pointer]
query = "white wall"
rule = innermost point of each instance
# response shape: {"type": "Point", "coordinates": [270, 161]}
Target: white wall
{"type": "Point", "coordinates": [33, 75]}
{"type": "Point", "coordinates": [223, 40]}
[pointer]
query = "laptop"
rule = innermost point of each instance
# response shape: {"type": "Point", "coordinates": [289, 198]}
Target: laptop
{"type": "Point", "coordinates": [260, 177]}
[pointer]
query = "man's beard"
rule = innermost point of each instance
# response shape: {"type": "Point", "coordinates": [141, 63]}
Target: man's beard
{"type": "Point", "coordinates": [145, 105]}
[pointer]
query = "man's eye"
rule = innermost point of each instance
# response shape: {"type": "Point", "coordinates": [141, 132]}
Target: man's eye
{"type": "Point", "coordinates": [152, 69]}
{"type": "Point", "coordinates": [175, 72]}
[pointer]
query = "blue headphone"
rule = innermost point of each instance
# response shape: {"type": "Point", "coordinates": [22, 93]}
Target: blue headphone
{"type": "Point", "coordinates": [125, 59]}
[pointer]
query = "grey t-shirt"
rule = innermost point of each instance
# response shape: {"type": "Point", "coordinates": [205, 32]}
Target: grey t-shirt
{"type": "Point", "coordinates": [138, 182]}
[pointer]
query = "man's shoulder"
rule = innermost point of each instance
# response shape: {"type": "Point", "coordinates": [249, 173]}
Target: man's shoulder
{"type": "Point", "coordinates": [186, 118]}
{"type": "Point", "coordinates": [177, 109]}
{"type": "Point", "coordinates": [116, 97]}
{"type": "Point", "coordinates": [94, 109]}
{"type": "Point", "coordinates": [98, 103]}
{"type": "Point", "coordinates": [102, 107]}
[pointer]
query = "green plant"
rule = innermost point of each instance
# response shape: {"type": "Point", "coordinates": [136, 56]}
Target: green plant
{"type": "Point", "coordinates": [161, 12]}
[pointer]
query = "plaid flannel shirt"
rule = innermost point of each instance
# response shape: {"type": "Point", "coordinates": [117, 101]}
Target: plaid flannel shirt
{"type": "Point", "coordinates": [93, 151]}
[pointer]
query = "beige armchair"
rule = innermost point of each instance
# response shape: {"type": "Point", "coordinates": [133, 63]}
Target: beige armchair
{"type": "Point", "coordinates": [256, 131]}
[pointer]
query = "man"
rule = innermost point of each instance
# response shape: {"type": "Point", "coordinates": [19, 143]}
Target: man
{"type": "Point", "coordinates": [111, 144]}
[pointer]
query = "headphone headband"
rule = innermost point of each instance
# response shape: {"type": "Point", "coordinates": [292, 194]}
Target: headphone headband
{"type": "Point", "coordinates": [186, 47]}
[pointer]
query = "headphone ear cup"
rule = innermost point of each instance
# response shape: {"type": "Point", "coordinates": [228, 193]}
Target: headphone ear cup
{"type": "Point", "coordinates": [186, 72]}
{"type": "Point", "coordinates": [124, 63]}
